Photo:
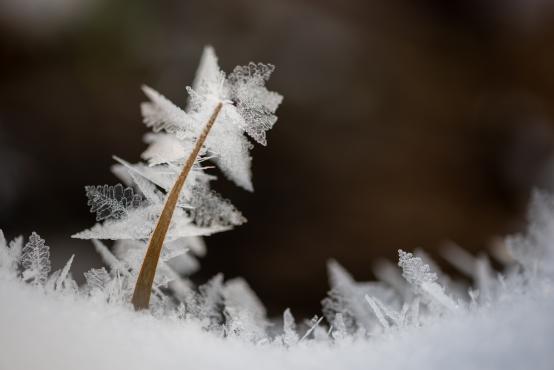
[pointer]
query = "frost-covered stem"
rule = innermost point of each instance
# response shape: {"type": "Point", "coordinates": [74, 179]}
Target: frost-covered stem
{"type": "Point", "coordinates": [143, 287]}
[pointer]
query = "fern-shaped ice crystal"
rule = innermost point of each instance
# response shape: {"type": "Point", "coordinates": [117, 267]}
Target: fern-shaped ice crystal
{"type": "Point", "coordinates": [111, 201]}
{"type": "Point", "coordinates": [36, 260]}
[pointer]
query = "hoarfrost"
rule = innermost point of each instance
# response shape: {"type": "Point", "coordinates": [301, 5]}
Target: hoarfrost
{"type": "Point", "coordinates": [36, 260]}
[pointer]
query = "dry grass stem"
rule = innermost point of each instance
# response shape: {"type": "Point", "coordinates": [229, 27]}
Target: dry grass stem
{"type": "Point", "coordinates": [143, 287]}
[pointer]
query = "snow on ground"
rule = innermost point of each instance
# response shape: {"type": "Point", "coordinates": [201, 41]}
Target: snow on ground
{"type": "Point", "coordinates": [45, 331]}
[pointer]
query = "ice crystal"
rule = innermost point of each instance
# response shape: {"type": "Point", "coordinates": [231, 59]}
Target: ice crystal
{"type": "Point", "coordinates": [248, 107]}
{"type": "Point", "coordinates": [64, 281]}
{"type": "Point", "coordinates": [347, 297]}
{"type": "Point", "coordinates": [424, 281]}
{"type": "Point", "coordinates": [36, 260]}
{"type": "Point", "coordinates": [414, 270]}
{"type": "Point", "coordinates": [97, 279]}
{"type": "Point", "coordinates": [10, 255]}
{"type": "Point", "coordinates": [253, 102]}
{"type": "Point", "coordinates": [533, 249]}
{"type": "Point", "coordinates": [111, 201]}
{"type": "Point", "coordinates": [245, 315]}
{"type": "Point", "coordinates": [290, 336]}
{"type": "Point", "coordinates": [162, 114]}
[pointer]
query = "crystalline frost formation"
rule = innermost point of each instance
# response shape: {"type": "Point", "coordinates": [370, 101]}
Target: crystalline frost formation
{"type": "Point", "coordinates": [128, 212]}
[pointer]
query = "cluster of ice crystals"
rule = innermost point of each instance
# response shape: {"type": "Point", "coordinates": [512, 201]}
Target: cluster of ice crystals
{"type": "Point", "coordinates": [10, 255]}
{"type": "Point", "coordinates": [97, 279]}
{"type": "Point", "coordinates": [161, 114]}
{"type": "Point", "coordinates": [347, 298]}
{"type": "Point", "coordinates": [414, 270]}
{"type": "Point", "coordinates": [354, 310]}
{"type": "Point", "coordinates": [534, 248]}
{"type": "Point", "coordinates": [131, 213]}
{"type": "Point", "coordinates": [248, 107]}
{"type": "Point", "coordinates": [128, 214]}
{"type": "Point", "coordinates": [245, 315]}
{"type": "Point", "coordinates": [424, 282]}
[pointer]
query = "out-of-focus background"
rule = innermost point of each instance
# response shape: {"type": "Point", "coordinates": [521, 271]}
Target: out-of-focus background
{"type": "Point", "coordinates": [405, 124]}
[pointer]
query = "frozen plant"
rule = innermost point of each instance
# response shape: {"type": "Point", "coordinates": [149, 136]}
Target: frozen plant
{"type": "Point", "coordinates": [170, 202]}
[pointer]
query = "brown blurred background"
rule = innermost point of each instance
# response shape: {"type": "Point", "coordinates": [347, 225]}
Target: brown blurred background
{"type": "Point", "coordinates": [404, 124]}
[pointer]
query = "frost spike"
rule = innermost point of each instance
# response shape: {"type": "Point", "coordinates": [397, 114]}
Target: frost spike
{"type": "Point", "coordinates": [312, 327]}
{"type": "Point", "coordinates": [64, 273]}
{"type": "Point", "coordinates": [377, 311]}
{"type": "Point", "coordinates": [141, 294]}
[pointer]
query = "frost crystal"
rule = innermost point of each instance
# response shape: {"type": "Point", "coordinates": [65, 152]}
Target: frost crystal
{"type": "Point", "coordinates": [64, 280]}
{"type": "Point", "coordinates": [36, 260]}
{"type": "Point", "coordinates": [534, 249]}
{"type": "Point", "coordinates": [419, 275]}
{"type": "Point", "coordinates": [290, 337]}
{"type": "Point", "coordinates": [210, 303]}
{"type": "Point", "coordinates": [248, 107]}
{"type": "Point", "coordinates": [377, 311]}
{"type": "Point", "coordinates": [10, 255]}
{"type": "Point", "coordinates": [253, 102]}
{"type": "Point", "coordinates": [244, 313]}
{"type": "Point", "coordinates": [209, 209]}
{"type": "Point", "coordinates": [162, 114]}
{"type": "Point", "coordinates": [414, 270]}
{"type": "Point", "coordinates": [347, 297]}
{"type": "Point", "coordinates": [111, 201]}
{"type": "Point", "coordinates": [97, 279]}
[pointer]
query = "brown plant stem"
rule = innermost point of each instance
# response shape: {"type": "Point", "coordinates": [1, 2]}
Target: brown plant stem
{"type": "Point", "coordinates": [143, 287]}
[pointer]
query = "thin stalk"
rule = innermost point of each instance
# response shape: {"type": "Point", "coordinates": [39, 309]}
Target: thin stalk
{"type": "Point", "coordinates": [143, 288]}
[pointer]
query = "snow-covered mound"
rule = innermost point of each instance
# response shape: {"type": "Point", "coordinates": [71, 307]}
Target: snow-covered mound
{"type": "Point", "coordinates": [61, 332]}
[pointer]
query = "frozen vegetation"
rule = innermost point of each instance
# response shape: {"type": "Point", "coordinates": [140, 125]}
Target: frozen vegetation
{"type": "Point", "coordinates": [413, 316]}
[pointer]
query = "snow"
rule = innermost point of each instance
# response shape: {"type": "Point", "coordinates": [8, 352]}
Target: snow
{"type": "Point", "coordinates": [223, 325]}
{"type": "Point", "coordinates": [61, 332]}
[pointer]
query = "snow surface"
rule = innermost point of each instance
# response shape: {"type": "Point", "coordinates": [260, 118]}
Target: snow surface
{"type": "Point", "coordinates": [41, 331]}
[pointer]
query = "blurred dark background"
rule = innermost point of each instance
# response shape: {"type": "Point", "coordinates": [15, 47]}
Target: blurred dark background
{"type": "Point", "coordinates": [404, 124]}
